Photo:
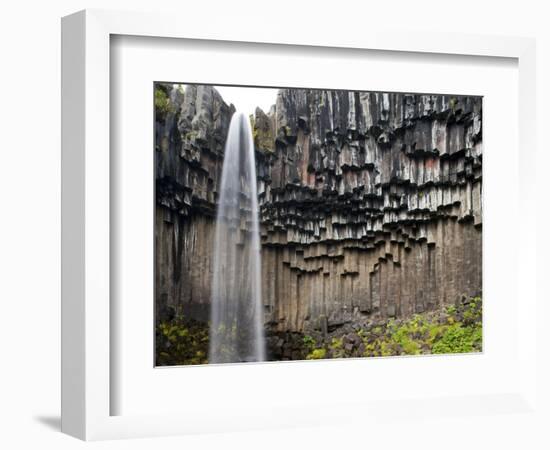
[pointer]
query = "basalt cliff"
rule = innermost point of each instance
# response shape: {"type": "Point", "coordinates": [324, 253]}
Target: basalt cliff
{"type": "Point", "coordinates": [370, 203]}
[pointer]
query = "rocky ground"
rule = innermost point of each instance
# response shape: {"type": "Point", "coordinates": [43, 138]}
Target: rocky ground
{"type": "Point", "coordinates": [453, 329]}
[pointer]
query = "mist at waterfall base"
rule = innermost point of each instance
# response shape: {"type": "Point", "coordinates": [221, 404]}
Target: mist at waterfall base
{"type": "Point", "coordinates": [236, 326]}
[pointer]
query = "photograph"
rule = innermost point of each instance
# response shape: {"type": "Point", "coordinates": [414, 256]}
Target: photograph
{"type": "Point", "coordinates": [296, 223]}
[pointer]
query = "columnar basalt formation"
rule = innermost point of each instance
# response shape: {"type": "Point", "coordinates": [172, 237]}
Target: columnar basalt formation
{"type": "Point", "coordinates": [190, 133]}
{"type": "Point", "coordinates": [370, 203]}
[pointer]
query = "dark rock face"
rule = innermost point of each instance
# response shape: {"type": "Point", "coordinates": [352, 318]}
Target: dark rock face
{"type": "Point", "coordinates": [189, 144]}
{"type": "Point", "coordinates": [371, 203]}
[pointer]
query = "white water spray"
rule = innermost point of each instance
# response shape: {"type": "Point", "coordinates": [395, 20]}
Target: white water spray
{"type": "Point", "coordinates": [236, 328]}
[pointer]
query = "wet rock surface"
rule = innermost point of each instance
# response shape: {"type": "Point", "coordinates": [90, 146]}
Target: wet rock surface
{"type": "Point", "coordinates": [370, 203]}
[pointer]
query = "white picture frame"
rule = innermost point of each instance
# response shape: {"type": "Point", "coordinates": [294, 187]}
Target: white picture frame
{"type": "Point", "coordinates": [87, 387]}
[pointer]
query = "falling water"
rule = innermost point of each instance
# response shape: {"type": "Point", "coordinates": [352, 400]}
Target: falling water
{"type": "Point", "coordinates": [236, 329]}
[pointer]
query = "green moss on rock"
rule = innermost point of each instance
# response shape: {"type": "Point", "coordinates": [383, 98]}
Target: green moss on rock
{"type": "Point", "coordinates": [181, 341]}
{"type": "Point", "coordinates": [455, 329]}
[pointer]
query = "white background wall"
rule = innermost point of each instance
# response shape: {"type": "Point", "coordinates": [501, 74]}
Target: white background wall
{"type": "Point", "coordinates": [30, 199]}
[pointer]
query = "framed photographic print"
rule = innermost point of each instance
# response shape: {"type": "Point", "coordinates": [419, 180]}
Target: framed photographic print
{"type": "Point", "coordinates": [261, 232]}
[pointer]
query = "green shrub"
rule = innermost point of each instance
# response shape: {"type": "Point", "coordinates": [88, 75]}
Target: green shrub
{"type": "Point", "coordinates": [336, 347]}
{"type": "Point", "coordinates": [162, 103]}
{"type": "Point", "coordinates": [459, 339]}
{"type": "Point", "coordinates": [309, 342]}
{"type": "Point", "coordinates": [181, 342]}
{"type": "Point", "coordinates": [318, 353]}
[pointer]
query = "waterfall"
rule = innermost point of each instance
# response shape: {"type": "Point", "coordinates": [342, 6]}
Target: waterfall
{"type": "Point", "coordinates": [236, 327]}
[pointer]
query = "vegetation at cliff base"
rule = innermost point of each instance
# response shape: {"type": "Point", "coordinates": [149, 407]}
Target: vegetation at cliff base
{"type": "Point", "coordinates": [452, 329]}
{"type": "Point", "coordinates": [455, 329]}
{"type": "Point", "coordinates": [181, 341]}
